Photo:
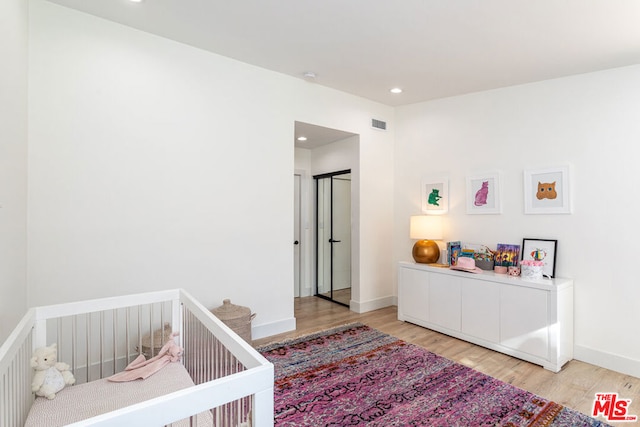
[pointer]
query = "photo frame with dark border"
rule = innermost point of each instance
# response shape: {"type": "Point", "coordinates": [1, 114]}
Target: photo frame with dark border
{"type": "Point", "coordinates": [544, 250]}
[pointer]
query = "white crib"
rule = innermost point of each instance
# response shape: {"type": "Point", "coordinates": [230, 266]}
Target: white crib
{"type": "Point", "coordinates": [230, 384]}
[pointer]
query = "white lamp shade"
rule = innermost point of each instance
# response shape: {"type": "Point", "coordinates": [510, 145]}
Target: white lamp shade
{"type": "Point", "coordinates": [426, 227]}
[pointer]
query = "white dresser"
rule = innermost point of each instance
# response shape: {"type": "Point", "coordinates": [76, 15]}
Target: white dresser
{"type": "Point", "coordinates": [528, 319]}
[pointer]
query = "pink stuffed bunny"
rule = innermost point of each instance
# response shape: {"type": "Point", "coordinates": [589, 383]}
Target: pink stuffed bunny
{"type": "Point", "coordinates": [141, 368]}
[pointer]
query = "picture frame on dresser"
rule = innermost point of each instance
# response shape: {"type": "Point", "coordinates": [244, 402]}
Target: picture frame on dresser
{"type": "Point", "coordinates": [507, 255]}
{"type": "Point", "coordinates": [544, 250]}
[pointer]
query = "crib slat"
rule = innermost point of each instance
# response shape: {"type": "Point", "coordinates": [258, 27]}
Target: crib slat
{"type": "Point", "coordinates": [127, 334]}
{"type": "Point", "coordinates": [101, 346]}
{"type": "Point", "coordinates": [88, 346]}
{"type": "Point", "coordinates": [152, 343]}
{"type": "Point", "coordinates": [114, 342]}
{"type": "Point", "coordinates": [74, 342]}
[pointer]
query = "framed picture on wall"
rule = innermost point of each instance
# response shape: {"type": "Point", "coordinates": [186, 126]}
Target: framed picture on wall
{"type": "Point", "coordinates": [435, 194]}
{"type": "Point", "coordinates": [541, 250]}
{"type": "Point", "coordinates": [484, 194]}
{"type": "Point", "coordinates": [546, 191]}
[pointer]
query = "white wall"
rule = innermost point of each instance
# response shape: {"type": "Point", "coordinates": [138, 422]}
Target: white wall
{"type": "Point", "coordinates": [590, 121]}
{"type": "Point", "coordinates": [155, 165]}
{"type": "Point", "coordinates": [13, 162]}
{"type": "Point", "coordinates": [337, 156]}
{"type": "Point", "coordinates": [376, 240]}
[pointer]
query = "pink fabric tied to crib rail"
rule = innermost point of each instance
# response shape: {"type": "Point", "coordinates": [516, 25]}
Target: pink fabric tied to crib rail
{"type": "Point", "coordinates": [142, 368]}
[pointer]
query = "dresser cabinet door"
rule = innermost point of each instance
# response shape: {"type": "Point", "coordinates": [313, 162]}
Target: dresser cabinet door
{"type": "Point", "coordinates": [413, 294]}
{"type": "Point", "coordinates": [523, 324]}
{"type": "Point", "coordinates": [481, 309]}
{"type": "Point", "coordinates": [444, 300]}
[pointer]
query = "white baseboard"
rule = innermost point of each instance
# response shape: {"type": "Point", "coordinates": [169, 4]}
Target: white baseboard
{"type": "Point", "coordinates": [374, 304]}
{"type": "Point", "coordinates": [610, 361]}
{"type": "Point", "coordinates": [274, 328]}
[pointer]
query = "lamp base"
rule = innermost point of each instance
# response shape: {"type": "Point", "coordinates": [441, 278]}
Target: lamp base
{"type": "Point", "coordinates": [426, 252]}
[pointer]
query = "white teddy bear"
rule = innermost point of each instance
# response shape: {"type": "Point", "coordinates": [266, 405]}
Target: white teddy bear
{"type": "Point", "coordinates": [51, 376]}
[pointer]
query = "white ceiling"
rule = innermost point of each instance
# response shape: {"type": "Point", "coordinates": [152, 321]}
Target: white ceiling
{"type": "Point", "coordinates": [430, 48]}
{"type": "Point", "coordinates": [317, 135]}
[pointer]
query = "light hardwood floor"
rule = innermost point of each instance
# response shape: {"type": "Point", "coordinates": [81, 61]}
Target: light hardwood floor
{"type": "Point", "coordinates": [574, 386]}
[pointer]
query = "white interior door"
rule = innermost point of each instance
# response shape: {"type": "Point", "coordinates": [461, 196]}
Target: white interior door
{"type": "Point", "coordinates": [296, 236]}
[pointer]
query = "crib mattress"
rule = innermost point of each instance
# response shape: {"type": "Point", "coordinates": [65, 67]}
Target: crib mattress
{"type": "Point", "coordinates": [79, 402]}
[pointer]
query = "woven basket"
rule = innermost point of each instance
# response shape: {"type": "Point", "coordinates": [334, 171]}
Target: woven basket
{"type": "Point", "coordinates": [236, 317]}
{"type": "Point", "coordinates": [160, 337]}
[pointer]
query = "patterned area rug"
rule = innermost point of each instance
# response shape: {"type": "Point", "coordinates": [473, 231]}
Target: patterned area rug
{"type": "Point", "coordinates": [355, 375]}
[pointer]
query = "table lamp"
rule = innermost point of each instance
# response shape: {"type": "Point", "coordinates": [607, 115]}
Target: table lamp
{"type": "Point", "coordinates": [426, 228]}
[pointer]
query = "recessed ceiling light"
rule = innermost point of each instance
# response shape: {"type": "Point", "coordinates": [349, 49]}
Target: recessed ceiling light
{"type": "Point", "coordinates": [395, 90]}
{"type": "Point", "coordinates": [302, 138]}
{"type": "Point", "coordinates": [136, 1]}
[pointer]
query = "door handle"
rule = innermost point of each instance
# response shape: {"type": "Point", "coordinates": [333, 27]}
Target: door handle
{"type": "Point", "coordinates": [295, 242]}
{"type": "Point", "coordinates": [334, 241]}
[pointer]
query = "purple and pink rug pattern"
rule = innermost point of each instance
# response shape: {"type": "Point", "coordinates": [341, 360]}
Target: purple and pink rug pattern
{"type": "Point", "coordinates": [355, 375]}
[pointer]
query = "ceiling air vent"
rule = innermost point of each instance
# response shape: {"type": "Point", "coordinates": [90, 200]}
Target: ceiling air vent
{"type": "Point", "coordinates": [378, 124]}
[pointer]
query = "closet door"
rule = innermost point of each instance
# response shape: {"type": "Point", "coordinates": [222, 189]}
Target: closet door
{"type": "Point", "coordinates": [333, 236]}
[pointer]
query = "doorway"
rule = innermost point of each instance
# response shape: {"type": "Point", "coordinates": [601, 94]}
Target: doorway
{"type": "Point", "coordinates": [333, 236]}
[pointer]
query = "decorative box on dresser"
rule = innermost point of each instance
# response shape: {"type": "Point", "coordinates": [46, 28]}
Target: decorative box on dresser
{"type": "Point", "coordinates": [528, 319]}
